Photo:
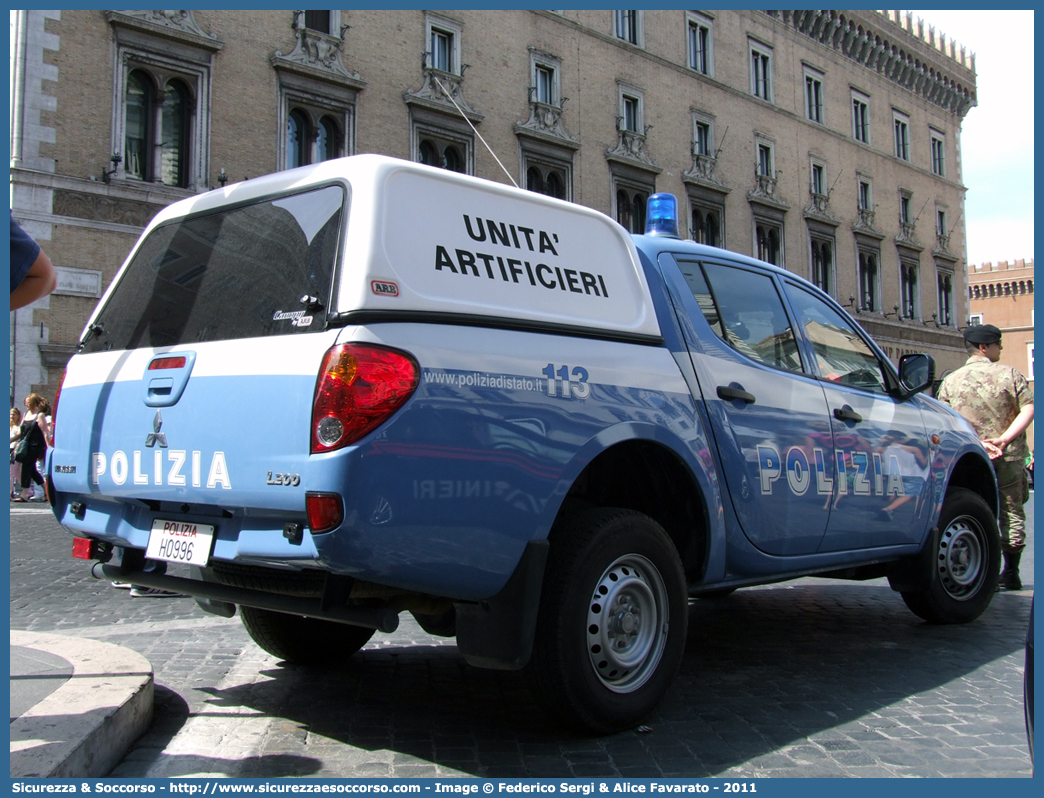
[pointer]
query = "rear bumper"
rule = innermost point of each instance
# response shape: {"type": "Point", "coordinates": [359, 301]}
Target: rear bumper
{"type": "Point", "coordinates": [324, 607]}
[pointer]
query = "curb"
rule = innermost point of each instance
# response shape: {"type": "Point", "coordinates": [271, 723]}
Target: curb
{"type": "Point", "coordinates": [85, 726]}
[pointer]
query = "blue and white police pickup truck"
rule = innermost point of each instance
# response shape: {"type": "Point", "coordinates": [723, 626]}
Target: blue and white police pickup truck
{"type": "Point", "coordinates": [366, 387]}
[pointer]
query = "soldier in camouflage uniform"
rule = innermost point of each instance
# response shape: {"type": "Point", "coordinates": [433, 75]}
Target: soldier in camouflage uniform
{"type": "Point", "coordinates": [998, 402]}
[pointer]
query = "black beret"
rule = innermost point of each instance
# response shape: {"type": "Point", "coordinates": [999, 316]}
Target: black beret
{"type": "Point", "coordinates": [982, 334]}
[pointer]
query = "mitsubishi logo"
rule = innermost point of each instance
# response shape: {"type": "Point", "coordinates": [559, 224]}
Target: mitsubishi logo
{"type": "Point", "coordinates": [156, 436]}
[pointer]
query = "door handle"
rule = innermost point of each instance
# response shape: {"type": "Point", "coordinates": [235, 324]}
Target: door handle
{"type": "Point", "coordinates": [846, 413]}
{"type": "Point", "coordinates": [727, 392]}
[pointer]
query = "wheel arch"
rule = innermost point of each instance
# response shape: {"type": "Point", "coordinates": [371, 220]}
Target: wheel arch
{"type": "Point", "coordinates": [649, 477]}
{"type": "Point", "coordinates": [973, 473]}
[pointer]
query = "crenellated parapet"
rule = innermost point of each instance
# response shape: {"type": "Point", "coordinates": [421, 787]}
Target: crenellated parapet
{"type": "Point", "coordinates": [897, 47]}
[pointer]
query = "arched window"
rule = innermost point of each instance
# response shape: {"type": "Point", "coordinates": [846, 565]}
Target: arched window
{"type": "Point", "coordinates": [453, 160]}
{"type": "Point", "coordinates": [296, 131]}
{"type": "Point", "coordinates": [444, 156]}
{"type": "Point", "coordinates": [867, 281]}
{"type": "Point", "coordinates": [552, 185]}
{"type": "Point", "coordinates": [630, 210]}
{"type": "Point", "coordinates": [308, 141]}
{"type": "Point", "coordinates": [429, 154]}
{"type": "Point", "coordinates": [139, 115]}
{"type": "Point", "coordinates": [326, 142]}
{"type": "Point", "coordinates": [174, 144]}
{"type": "Point", "coordinates": [705, 227]}
{"type": "Point", "coordinates": [768, 244]}
{"type": "Point", "coordinates": [623, 209]}
{"type": "Point", "coordinates": [534, 180]}
{"type": "Point", "coordinates": [143, 144]}
{"type": "Point", "coordinates": [822, 264]}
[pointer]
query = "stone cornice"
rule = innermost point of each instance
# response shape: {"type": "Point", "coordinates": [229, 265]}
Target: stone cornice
{"type": "Point", "coordinates": [881, 45]}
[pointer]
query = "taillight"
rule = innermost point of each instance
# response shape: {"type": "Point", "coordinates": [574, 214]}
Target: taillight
{"type": "Point", "coordinates": [325, 511]}
{"type": "Point", "coordinates": [360, 386]}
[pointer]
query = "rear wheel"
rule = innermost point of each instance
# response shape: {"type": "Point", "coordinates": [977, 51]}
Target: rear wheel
{"type": "Point", "coordinates": [613, 620]}
{"type": "Point", "coordinates": [303, 640]}
{"type": "Point", "coordinates": [959, 568]}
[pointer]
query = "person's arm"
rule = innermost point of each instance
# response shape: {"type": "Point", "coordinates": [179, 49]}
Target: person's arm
{"type": "Point", "coordinates": [45, 428]}
{"type": "Point", "coordinates": [1015, 429]}
{"type": "Point", "coordinates": [39, 281]}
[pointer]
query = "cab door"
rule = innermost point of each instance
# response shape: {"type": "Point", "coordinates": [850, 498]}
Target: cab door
{"type": "Point", "coordinates": [881, 445]}
{"type": "Point", "coordinates": [768, 415]}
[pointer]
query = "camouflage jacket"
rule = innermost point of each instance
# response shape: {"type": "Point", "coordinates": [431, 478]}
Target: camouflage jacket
{"type": "Point", "coordinates": [990, 396]}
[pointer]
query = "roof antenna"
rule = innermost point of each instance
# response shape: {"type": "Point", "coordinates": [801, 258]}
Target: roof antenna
{"type": "Point", "coordinates": [509, 177]}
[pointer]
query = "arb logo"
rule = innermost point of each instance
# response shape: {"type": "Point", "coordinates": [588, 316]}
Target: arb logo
{"type": "Point", "coordinates": [382, 288]}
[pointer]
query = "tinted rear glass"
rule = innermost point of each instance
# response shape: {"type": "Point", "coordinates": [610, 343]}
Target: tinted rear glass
{"type": "Point", "coordinates": [237, 273]}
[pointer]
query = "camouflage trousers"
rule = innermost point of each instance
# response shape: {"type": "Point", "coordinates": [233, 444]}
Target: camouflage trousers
{"type": "Point", "coordinates": [1014, 493]}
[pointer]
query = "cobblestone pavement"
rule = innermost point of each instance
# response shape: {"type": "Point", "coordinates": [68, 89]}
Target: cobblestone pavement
{"type": "Point", "coordinates": [813, 678]}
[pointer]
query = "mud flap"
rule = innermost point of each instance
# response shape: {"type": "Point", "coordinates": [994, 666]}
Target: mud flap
{"type": "Point", "coordinates": [908, 573]}
{"type": "Point", "coordinates": [498, 632]}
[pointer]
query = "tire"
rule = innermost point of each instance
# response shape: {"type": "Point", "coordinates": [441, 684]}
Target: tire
{"type": "Point", "coordinates": [959, 568]}
{"type": "Point", "coordinates": [598, 672]}
{"type": "Point", "coordinates": [303, 640]}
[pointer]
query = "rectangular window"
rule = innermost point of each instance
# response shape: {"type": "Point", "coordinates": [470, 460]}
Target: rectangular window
{"type": "Point", "coordinates": [761, 73]}
{"type": "Point", "coordinates": [946, 299]}
{"type": "Point", "coordinates": [940, 223]}
{"type": "Point", "coordinates": [814, 96]}
{"type": "Point", "coordinates": [703, 138]}
{"type": "Point", "coordinates": [865, 198]}
{"type": "Point", "coordinates": [818, 179]}
{"type": "Point", "coordinates": [901, 125]}
{"type": "Point", "coordinates": [975, 318]}
{"type": "Point", "coordinates": [861, 118]}
{"type": "Point", "coordinates": [441, 50]}
{"type": "Point", "coordinates": [1029, 361]}
{"type": "Point", "coordinates": [317, 20]}
{"type": "Point", "coordinates": [631, 108]}
{"type": "Point", "coordinates": [545, 84]}
{"type": "Point", "coordinates": [938, 154]}
{"type": "Point", "coordinates": [627, 24]}
{"type": "Point", "coordinates": [765, 161]}
{"type": "Point", "coordinates": [904, 209]}
{"type": "Point", "coordinates": [699, 46]}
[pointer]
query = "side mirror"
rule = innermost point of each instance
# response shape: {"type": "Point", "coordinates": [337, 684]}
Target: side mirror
{"type": "Point", "coordinates": [916, 372]}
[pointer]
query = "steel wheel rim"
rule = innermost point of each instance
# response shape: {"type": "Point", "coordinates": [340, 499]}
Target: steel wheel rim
{"type": "Point", "coordinates": [962, 557]}
{"type": "Point", "coordinates": [627, 623]}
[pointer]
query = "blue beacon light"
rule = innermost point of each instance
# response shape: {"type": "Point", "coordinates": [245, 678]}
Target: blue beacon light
{"type": "Point", "coordinates": [662, 216]}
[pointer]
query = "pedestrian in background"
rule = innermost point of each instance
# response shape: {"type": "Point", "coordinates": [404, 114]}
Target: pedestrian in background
{"type": "Point", "coordinates": [14, 486]}
{"type": "Point", "coordinates": [37, 430]}
{"type": "Point", "coordinates": [32, 273]}
{"type": "Point", "coordinates": [998, 402]}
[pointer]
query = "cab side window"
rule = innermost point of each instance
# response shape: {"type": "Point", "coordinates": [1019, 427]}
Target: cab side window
{"type": "Point", "coordinates": [841, 353]}
{"type": "Point", "coordinates": [744, 309]}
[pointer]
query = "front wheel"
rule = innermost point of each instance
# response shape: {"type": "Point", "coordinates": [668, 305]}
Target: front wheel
{"type": "Point", "coordinates": [613, 620]}
{"type": "Point", "coordinates": [303, 640]}
{"type": "Point", "coordinates": [959, 568]}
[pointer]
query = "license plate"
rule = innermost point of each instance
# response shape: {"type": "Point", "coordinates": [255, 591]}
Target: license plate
{"type": "Point", "coordinates": [178, 541]}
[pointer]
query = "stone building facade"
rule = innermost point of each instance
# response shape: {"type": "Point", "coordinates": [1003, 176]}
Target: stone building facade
{"type": "Point", "coordinates": [1001, 294]}
{"type": "Point", "coordinates": [825, 141]}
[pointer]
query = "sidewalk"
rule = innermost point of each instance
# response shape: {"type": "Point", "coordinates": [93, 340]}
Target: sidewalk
{"type": "Point", "coordinates": [76, 705]}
